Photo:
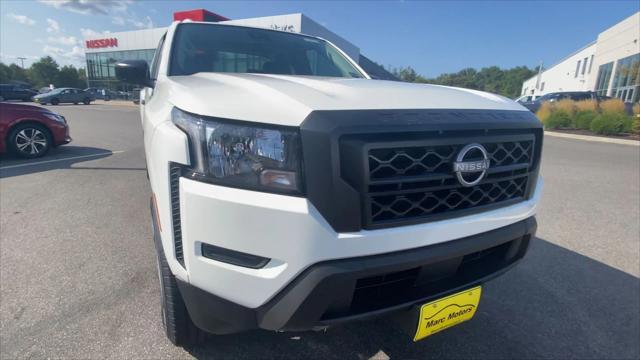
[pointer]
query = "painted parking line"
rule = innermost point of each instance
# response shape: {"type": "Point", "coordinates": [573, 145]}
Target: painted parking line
{"type": "Point", "coordinates": [62, 159]}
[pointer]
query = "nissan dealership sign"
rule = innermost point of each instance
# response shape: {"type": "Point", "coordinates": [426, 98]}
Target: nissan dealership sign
{"type": "Point", "coordinates": [102, 43]}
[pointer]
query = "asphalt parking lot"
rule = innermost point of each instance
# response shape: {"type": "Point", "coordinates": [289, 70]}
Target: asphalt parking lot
{"type": "Point", "coordinates": [78, 277]}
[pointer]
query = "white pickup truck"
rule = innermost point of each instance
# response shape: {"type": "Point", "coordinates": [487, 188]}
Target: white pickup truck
{"type": "Point", "coordinates": [290, 191]}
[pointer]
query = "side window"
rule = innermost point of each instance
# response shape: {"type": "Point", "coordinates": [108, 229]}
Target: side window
{"type": "Point", "coordinates": [155, 63]}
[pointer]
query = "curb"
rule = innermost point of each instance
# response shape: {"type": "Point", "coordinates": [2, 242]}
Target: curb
{"type": "Point", "coordinates": [593, 138]}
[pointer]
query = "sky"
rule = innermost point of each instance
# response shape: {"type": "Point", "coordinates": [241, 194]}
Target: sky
{"type": "Point", "coordinates": [432, 37]}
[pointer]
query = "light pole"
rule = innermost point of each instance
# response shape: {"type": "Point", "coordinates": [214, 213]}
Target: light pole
{"type": "Point", "coordinates": [22, 59]}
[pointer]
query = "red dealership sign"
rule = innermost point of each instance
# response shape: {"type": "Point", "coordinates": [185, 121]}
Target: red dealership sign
{"type": "Point", "coordinates": [102, 43]}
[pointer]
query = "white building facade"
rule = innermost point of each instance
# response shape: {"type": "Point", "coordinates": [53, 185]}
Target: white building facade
{"type": "Point", "coordinates": [609, 66]}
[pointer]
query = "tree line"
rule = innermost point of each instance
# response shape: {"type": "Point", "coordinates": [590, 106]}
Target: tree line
{"type": "Point", "coordinates": [506, 82]}
{"type": "Point", "coordinates": [42, 73]}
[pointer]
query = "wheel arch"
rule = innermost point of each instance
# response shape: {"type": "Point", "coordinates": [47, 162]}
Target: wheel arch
{"type": "Point", "coordinates": [27, 121]}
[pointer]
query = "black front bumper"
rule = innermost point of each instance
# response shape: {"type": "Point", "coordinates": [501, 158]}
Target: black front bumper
{"type": "Point", "coordinates": [335, 291]}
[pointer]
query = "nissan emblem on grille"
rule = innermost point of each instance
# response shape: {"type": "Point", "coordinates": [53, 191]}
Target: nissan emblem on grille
{"type": "Point", "coordinates": [478, 166]}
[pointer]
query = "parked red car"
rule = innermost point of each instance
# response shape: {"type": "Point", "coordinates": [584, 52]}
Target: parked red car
{"type": "Point", "coordinates": [30, 131]}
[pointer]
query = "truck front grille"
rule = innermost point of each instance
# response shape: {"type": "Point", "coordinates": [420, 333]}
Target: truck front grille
{"type": "Point", "coordinates": [414, 181]}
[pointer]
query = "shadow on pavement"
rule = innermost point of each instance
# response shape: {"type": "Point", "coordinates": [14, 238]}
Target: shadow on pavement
{"type": "Point", "coordinates": [555, 304]}
{"type": "Point", "coordinates": [62, 157]}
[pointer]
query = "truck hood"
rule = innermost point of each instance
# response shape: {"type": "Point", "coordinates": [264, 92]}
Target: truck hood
{"type": "Point", "coordinates": [287, 100]}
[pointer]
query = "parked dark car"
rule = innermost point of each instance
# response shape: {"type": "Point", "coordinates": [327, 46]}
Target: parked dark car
{"type": "Point", "coordinates": [30, 131]}
{"type": "Point", "coordinates": [102, 94]}
{"type": "Point", "coordinates": [16, 92]}
{"type": "Point", "coordinates": [65, 95]}
{"type": "Point", "coordinates": [534, 105]}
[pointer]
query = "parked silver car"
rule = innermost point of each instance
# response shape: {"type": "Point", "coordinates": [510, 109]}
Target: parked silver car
{"type": "Point", "coordinates": [65, 95]}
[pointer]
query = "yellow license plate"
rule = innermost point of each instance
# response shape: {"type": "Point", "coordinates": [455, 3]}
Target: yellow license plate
{"type": "Point", "coordinates": [447, 312]}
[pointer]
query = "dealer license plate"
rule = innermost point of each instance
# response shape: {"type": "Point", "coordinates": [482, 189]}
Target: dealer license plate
{"type": "Point", "coordinates": [447, 312]}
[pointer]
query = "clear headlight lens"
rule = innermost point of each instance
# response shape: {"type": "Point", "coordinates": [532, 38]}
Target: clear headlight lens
{"type": "Point", "coordinates": [256, 157]}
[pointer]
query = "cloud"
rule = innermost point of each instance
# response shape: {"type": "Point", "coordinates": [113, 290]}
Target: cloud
{"type": "Point", "coordinates": [118, 20]}
{"type": "Point", "coordinates": [22, 19]}
{"type": "Point", "coordinates": [13, 59]}
{"type": "Point", "coordinates": [52, 26]}
{"type": "Point", "coordinates": [76, 53]}
{"type": "Point", "coordinates": [52, 50]}
{"type": "Point", "coordinates": [89, 7]}
{"type": "Point", "coordinates": [92, 33]}
{"type": "Point", "coordinates": [73, 56]}
{"type": "Point", "coordinates": [63, 40]}
{"type": "Point", "coordinates": [146, 23]}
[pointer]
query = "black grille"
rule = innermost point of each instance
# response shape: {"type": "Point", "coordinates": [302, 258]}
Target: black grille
{"type": "Point", "coordinates": [174, 179]}
{"type": "Point", "coordinates": [400, 287]}
{"type": "Point", "coordinates": [415, 181]}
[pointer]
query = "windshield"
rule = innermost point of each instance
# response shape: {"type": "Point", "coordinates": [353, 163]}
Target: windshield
{"type": "Point", "coordinates": [234, 49]}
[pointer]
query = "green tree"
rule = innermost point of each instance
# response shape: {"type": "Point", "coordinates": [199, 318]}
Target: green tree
{"type": "Point", "coordinates": [506, 82]}
{"type": "Point", "coordinates": [82, 75]}
{"type": "Point", "coordinates": [68, 76]}
{"type": "Point", "coordinates": [44, 72]}
{"type": "Point", "coordinates": [18, 73]}
{"type": "Point", "coordinates": [5, 73]}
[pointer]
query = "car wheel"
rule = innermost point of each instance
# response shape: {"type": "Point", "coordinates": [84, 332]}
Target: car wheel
{"type": "Point", "coordinates": [86, 101]}
{"type": "Point", "coordinates": [75, 103]}
{"type": "Point", "coordinates": [30, 140]}
{"type": "Point", "coordinates": [55, 101]}
{"type": "Point", "coordinates": [177, 324]}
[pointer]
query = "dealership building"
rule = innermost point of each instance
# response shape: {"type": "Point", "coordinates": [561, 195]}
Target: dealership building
{"type": "Point", "coordinates": [105, 50]}
{"type": "Point", "coordinates": [610, 66]}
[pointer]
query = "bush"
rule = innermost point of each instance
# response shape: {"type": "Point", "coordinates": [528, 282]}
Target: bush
{"type": "Point", "coordinates": [636, 110]}
{"type": "Point", "coordinates": [635, 126]}
{"type": "Point", "coordinates": [567, 106]}
{"type": "Point", "coordinates": [583, 119]}
{"type": "Point", "coordinates": [586, 105]}
{"type": "Point", "coordinates": [627, 124]}
{"type": "Point", "coordinates": [612, 106]}
{"type": "Point", "coordinates": [545, 111]}
{"type": "Point", "coordinates": [558, 119]}
{"type": "Point", "coordinates": [610, 124]}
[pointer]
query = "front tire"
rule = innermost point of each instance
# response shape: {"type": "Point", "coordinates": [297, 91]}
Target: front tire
{"type": "Point", "coordinates": [177, 324]}
{"type": "Point", "coordinates": [86, 101]}
{"type": "Point", "coordinates": [30, 140]}
{"type": "Point", "coordinates": [55, 101]}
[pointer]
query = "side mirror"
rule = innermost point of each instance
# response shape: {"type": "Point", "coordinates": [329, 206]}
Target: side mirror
{"type": "Point", "coordinates": [134, 72]}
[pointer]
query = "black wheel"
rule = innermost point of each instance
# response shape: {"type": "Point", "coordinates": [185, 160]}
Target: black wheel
{"type": "Point", "coordinates": [175, 319]}
{"type": "Point", "coordinates": [75, 103]}
{"type": "Point", "coordinates": [86, 101]}
{"type": "Point", "coordinates": [55, 101]}
{"type": "Point", "coordinates": [29, 140]}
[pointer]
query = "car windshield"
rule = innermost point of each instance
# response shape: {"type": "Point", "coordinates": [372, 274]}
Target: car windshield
{"type": "Point", "coordinates": [235, 49]}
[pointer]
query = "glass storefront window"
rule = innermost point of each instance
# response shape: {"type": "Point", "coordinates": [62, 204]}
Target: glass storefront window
{"type": "Point", "coordinates": [604, 76]}
{"type": "Point", "coordinates": [626, 82]}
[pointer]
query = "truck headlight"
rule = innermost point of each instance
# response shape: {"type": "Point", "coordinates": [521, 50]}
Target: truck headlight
{"type": "Point", "coordinates": [232, 153]}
